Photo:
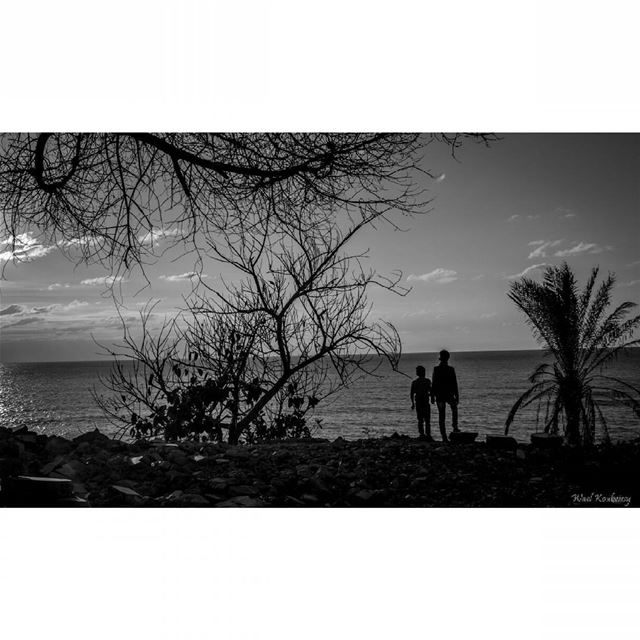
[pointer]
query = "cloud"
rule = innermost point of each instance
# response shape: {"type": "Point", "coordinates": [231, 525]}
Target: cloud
{"type": "Point", "coordinates": [486, 316]}
{"type": "Point", "coordinates": [533, 216]}
{"type": "Point", "coordinates": [581, 247]}
{"type": "Point", "coordinates": [101, 281]}
{"type": "Point", "coordinates": [181, 277]}
{"type": "Point", "coordinates": [12, 309]}
{"type": "Point", "coordinates": [631, 283]}
{"type": "Point", "coordinates": [23, 248]}
{"type": "Point", "coordinates": [541, 248]}
{"type": "Point", "coordinates": [57, 285]}
{"type": "Point", "coordinates": [20, 309]}
{"type": "Point", "coordinates": [439, 276]}
{"type": "Point", "coordinates": [22, 321]}
{"type": "Point", "coordinates": [155, 235]}
{"type": "Point", "coordinates": [441, 177]}
{"type": "Point", "coordinates": [527, 271]}
{"type": "Point", "coordinates": [635, 263]}
{"type": "Point", "coordinates": [515, 216]}
{"type": "Point", "coordinates": [565, 212]}
{"type": "Point", "coordinates": [79, 242]}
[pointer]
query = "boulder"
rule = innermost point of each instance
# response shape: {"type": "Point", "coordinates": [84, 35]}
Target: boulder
{"type": "Point", "coordinates": [36, 491]}
{"type": "Point", "coordinates": [546, 440]}
{"type": "Point", "coordinates": [57, 446]}
{"type": "Point", "coordinates": [502, 442]}
{"type": "Point", "coordinates": [241, 501]}
{"type": "Point", "coordinates": [463, 437]}
{"type": "Point", "coordinates": [92, 437]}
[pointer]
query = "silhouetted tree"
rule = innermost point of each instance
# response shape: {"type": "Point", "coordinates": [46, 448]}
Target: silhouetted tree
{"type": "Point", "coordinates": [265, 346]}
{"type": "Point", "coordinates": [107, 196]}
{"type": "Point", "coordinates": [583, 338]}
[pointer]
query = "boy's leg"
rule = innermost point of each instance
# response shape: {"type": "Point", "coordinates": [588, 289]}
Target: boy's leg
{"type": "Point", "coordinates": [420, 414]}
{"type": "Point", "coordinates": [427, 421]}
{"type": "Point", "coordinates": [454, 415]}
{"type": "Point", "coordinates": [441, 410]}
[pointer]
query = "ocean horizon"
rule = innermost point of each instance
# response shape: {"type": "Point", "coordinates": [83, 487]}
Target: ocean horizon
{"type": "Point", "coordinates": [54, 397]}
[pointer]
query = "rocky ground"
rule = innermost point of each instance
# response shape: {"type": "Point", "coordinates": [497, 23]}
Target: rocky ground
{"type": "Point", "coordinates": [390, 472]}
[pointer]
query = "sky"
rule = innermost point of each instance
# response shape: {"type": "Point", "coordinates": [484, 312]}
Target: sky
{"type": "Point", "coordinates": [527, 201]}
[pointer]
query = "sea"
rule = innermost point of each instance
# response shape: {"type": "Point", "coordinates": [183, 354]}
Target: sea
{"type": "Point", "coordinates": [56, 398]}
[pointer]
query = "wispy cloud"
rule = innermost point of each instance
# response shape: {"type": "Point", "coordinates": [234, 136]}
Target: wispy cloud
{"type": "Point", "coordinates": [439, 276]}
{"type": "Point", "coordinates": [58, 285]}
{"type": "Point", "coordinates": [581, 247]}
{"type": "Point", "coordinates": [82, 241]}
{"type": "Point", "coordinates": [12, 309]}
{"type": "Point", "coordinates": [101, 281]}
{"type": "Point", "coordinates": [23, 248]}
{"type": "Point", "coordinates": [528, 270]}
{"type": "Point", "coordinates": [20, 309]}
{"type": "Point", "coordinates": [541, 247]}
{"type": "Point", "coordinates": [631, 283]}
{"type": "Point", "coordinates": [155, 235]}
{"type": "Point", "coordinates": [181, 277]}
{"type": "Point", "coordinates": [565, 212]}
{"type": "Point", "coordinates": [635, 263]}
{"type": "Point", "coordinates": [512, 218]}
{"type": "Point", "coordinates": [441, 177]}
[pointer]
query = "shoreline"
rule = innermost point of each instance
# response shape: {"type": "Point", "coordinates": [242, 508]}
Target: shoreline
{"type": "Point", "coordinates": [395, 471]}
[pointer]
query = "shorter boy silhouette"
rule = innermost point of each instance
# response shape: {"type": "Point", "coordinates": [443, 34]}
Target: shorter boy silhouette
{"type": "Point", "coordinates": [420, 393]}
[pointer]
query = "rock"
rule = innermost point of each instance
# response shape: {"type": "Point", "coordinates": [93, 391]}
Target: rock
{"type": "Point", "coordinates": [241, 501]}
{"type": "Point", "coordinates": [36, 491]}
{"type": "Point", "coordinates": [83, 449]}
{"type": "Point", "coordinates": [28, 438]}
{"type": "Point", "coordinates": [57, 446]}
{"type": "Point", "coordinates": [318, 486]}
{"type": "Point", "coordinates": [72, 469]}
{"type": "Point", "coordinates": [463, 437]}
{"type": "Point", "coordinates": [11, 448]}
{"type": "Point", "coordinates": [49, 467]}
{"type": "Point", "coordinates": [124, 496]}
{"type": "Point", "coordinates": [219, 484]}
{"type": "Point", "coordinates": [502, 442]}
{"type": "Point", "coordinates": [243, 490]}
{"type": "Point", "coordinates": [19, 430]}
{"type": "Point", "coordinates": [193, 500]}
{"type": "Point", "coordinates": [92, 437]}
{"type": "Point", "coordinates": [546, 440]}
{"type": "Point", "coordinates": [11, 467]}
{"type": "Point", "coordinates": [127, 491]}
{"type": "Point", "coordinates": [364, 496]}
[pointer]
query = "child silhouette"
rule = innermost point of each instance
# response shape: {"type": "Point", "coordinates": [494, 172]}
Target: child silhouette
{"type": "Point", "coordinates": [420, 393]}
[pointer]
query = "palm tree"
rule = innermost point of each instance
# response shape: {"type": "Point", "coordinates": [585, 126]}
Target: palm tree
{"type": "Point", "coordinates": [583, 338]}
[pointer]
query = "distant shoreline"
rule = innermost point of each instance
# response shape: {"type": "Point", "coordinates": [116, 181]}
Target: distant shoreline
{"type": "Point", "coordinates": [408, 353]}
{"type": "Point", "coordinates": [434, 354]}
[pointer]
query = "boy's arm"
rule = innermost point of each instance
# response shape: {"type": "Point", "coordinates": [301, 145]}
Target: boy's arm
{"type": "Point", "coordinates": [412, 392]}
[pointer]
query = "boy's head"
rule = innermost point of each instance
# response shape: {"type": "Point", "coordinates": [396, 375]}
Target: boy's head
{"type": "Point", "coordinates": [444, 356]}
{"type": "Point", "coordinates": [420, 371]}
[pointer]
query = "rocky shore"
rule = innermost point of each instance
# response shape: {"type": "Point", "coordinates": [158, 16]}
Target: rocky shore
{"type": "Point", "coordinates": [94, 470]}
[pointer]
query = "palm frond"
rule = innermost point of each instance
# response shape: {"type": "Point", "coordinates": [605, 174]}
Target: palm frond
{"type": "Point", "coordinates": [530, 395]}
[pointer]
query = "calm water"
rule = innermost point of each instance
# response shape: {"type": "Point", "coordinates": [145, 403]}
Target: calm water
{"type": "Point", "coordinates": [55, 397]}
